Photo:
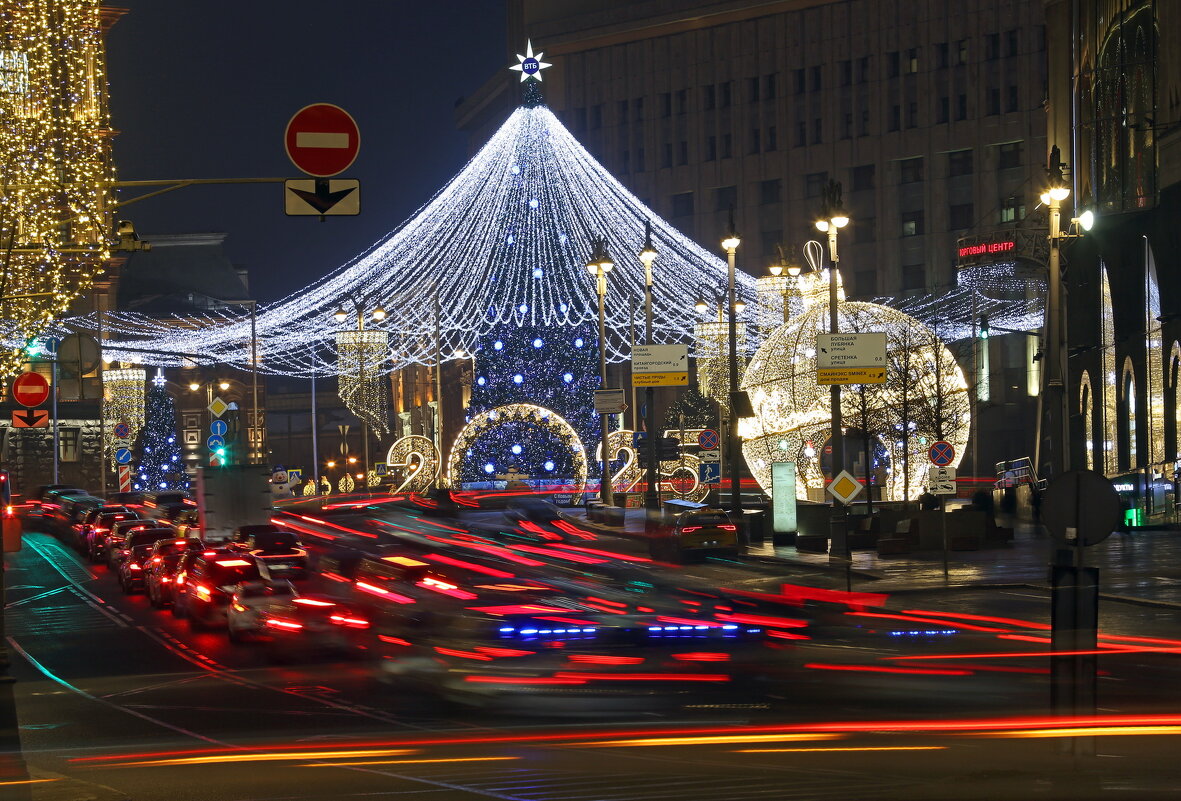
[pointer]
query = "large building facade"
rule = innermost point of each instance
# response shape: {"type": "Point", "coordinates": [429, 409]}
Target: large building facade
{"type": "Point", "coordinates": [931, 115]}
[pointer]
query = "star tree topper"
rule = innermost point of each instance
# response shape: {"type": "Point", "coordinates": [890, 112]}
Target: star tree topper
{"type": "Point", "coordinates": [531, 65]}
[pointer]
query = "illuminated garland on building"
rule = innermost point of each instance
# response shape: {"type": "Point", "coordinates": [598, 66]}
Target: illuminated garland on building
{"type": "Point", "coordinates": [123, 396]}
{"type": "Point", "coordinates": [465, 464]}
{"type": "Point", "coordinates": [418, 461]}
{"type": "Point", "coordinates": [360, 377]}
{"type": "Point", "coordinates": [55, 163]}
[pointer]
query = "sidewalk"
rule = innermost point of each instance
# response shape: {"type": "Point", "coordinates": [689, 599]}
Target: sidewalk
{"type": "Point", "coordinates": [1143, 567]}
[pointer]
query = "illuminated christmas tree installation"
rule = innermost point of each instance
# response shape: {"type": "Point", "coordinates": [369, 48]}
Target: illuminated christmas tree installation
{"type": "Point", "coordinates": [55, 147]}
{"type": "Point", "coordinates": [161, 466]}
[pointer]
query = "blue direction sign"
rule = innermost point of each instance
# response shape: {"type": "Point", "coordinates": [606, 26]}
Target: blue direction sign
{"type": "Point", "coordinates": [941, 453]}
{"type": "Point", "coordinates": [123, 456]}
{"type": "Point", "coordinates": [215, 442]}
{"type": "Point", "coordinates": [218, 428]}
{"type": "Point", "coordinates": [710, 472]}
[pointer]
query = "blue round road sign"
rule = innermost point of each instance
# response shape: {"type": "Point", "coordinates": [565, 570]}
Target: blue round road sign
{"type": "Point", "coordinates": [708, 440]}
{"type": "Point", "coordinates": [215, 442]}
{"type": "Point", "coordinates": [123, 456]}
{"type": "Point", "coordinates": [122, 430]}
{"type": "Point", "coordinates": [218, 428]}
{"type": "Point", "coordinates": [941, 453]}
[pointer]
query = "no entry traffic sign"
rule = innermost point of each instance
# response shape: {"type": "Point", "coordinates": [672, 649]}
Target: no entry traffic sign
{"type": "Point", "coordinates": [941, 453]}
{"type": "Point", "coordinates": [30, 389]}
{"type": "Point", "coordinates": [322, 140]}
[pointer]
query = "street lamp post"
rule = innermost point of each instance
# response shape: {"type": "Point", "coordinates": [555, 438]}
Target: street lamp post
{"type": "Point", "coordinates": [730, 245]}
{"type": "Point", "coordinates": [793, 273]}
{"type": "Point", "coordinates": [1055, 346]}
{"type": "Point", "coordinates": [832, 219]}
{"type": "Point", "coordinates": [652, 493]}
{"type": "Point", "coordinates": [599, 265]}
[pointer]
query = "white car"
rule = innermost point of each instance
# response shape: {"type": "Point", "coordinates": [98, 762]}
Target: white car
{"type": "Point", "coordinates": [250, 603]}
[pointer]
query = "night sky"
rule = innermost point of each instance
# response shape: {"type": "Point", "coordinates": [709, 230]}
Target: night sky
{"type": "Point", "coordinates": [205, 90]}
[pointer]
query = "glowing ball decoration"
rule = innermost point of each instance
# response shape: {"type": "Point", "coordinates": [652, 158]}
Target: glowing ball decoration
{"type": "Point", "coordinates": [925, 394]}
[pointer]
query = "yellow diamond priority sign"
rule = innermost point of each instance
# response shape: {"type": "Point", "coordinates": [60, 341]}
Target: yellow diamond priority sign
{"type": "Point", "coordinates": [218, 407]}
{"type": "Point", "coordinates": [844, 487]}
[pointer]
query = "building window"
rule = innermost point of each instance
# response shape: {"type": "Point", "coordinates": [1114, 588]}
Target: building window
{"type": "Point", "coordinates": [943, 115]}
{"type": "Point", "coordinates": [864, 230]}
{"type": "Point", "coordinates": [863, 69]}
{"type": "Point", "coordinates": [865, 283]}
{"type": "Point", "coordinates": [1012, 42]}
{"type": "Point", "coordinates": [711, 148]}
{"type": "Point", "coordinates": [727, 94]}
{"type": "Point", "coordinates": [814, 184]}
{"type": "Point", "coordinates": [640, 159]}
{"type": "Point", "coordinates": [817, 131]}
{"type": "Point", "coordinates": [579, 120]}
{"type": "Point", "coordinates": [682, 153]}
{"type": "Point", "coordinates": [709, 97]}
{"type": "Point", "coordinates": [992, 46]}
{"type": "Point", "coordinates": [914, 276]}
{"type": "Point", "coordinates": [817, 78]}
{"type": "Point", "coordinates": [893, 60]}
{"type": "Point", "coordinates": [622, 111]}
{"type": "Point", "coordinates": [682, 204]}
{"type": "Point", "coordinates": [959, 162]}
{"type": "Point", "coordinates": [666, 104]}
{"type": "Point", "coordinates": [770, 241]}
{"type": "Point", "coordinates": [863, 177]}
{"type": "Point", "coordinates": [667, 159]}
{"type": "Point", "coordinates": [769, 88]}
{"type": "Point", "coordinates": [597, 116]}
{"type": "Point", "coordinates": [727, 146]}
{"type": "Point", "coordinates": [847, 126]}
{"type": "Point", "coordinates": [961, 216]}
{"type": "Point", "coordinates": [941, 53]}
{"type": "Point", "coordinates": [801, 134]}
{"type": "Point", "coordinates": [752, 89]}
{"type": "Point", "coordinates": [910, 170]}
{"type": "Point", "coordinates": [1009, 155]}
{"type": "Point", "coordinates": [1014, 98]}
{"type": "Point", "coordinates": [912, 115]}
{"type": "Point", "coordinates": [800, 81]}
{"type": "Point", "coordinates": [756, 141]}
{"type": "Point", "coordinates": [69, 443]}
{"type": "Point", "coordinates": [625, 161]}
{"type": "Point", "coordinates": [1012, 209]}
{"type": "Point", "coordinates": [994, 102]}
{"type": "Point", "coordinates": [863, 128]}
{"type": "Point", "coordinates": [895, 117]}
{"type": "Point", "coordinates": [846, 72]}
{"type": "Point", "coordinates": [725, 197]}
{"type": "Point", "coordinates": [961, 107]}
{"type": "Point", "coordinates": [961, 51]}
{"type": "Point", "coordinates": [682, 101]}
{"type": "Point", "coordinates": [638, 109]}
{"type": "Point", "coordinates": [912, 223]}
{"type": "Point", "coordinates": [772, 139]}
{"type": "Point", "coordinates": [912, 60]}
{"type": "Point", "coordinates": [770, 191]}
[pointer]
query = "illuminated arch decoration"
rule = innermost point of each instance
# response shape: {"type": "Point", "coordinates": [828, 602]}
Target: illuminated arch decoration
{"type": "Point", "coordinates": [1087, 409]}
{"type": "Point", "coordinates": [551, 421]}
{"type": "Point", "coordinates": [925, 392]}
{"type": "Point", "coordinates": [418, 459]}
{"type": "Point", "coordinates": [680, 477]}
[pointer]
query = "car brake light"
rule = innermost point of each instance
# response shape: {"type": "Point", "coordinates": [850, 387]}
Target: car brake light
{"type": "Point", "coordinates": [202, 591]}
{"type": "Point", "coordinates": [209, 553]}
{"type": "Point", "coordinates": [238, 607]}
{"type": "Point", "coordinates": [134, 566]}
{"type": "Point", "coordinates": [687, 529]}
{"type": "Point", "coordinates": [312, 602]}
{"type": "Point", "coordinates": [180, 578]}
{"type": "Point", "coordinates": [165, 580]}
{"type": "Point", "coordinates": [290, 625]}
{"type": "Point", "coordinates": [353, 622]}
{"type": "Point", "coordinates": [125, 552]}
{"type": "Point", "coordinates": [156, 560]}
{"type": "Point", "coordinates": [726, 528]}
{"type": "Point", "coordinates": [179, 542]}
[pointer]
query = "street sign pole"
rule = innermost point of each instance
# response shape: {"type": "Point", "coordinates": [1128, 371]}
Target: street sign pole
{"type": "Point", "coordinates": [53, 396]}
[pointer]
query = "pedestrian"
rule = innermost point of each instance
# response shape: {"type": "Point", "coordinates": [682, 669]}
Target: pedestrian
{"type": "Point", "coordinates": [927, 501]}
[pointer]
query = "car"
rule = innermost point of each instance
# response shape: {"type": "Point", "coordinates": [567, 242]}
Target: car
{"type": "Point", "coordinates": [157, 504]}
{"type": "Point", "coordinates": [532, 510]}
{"type": "Point", "coordinates": [180, 575]}
{"type": "Point", "coordinates": [135, 538]}
{"type": "Point", "coordinates": [302, 624]}
{"type": "Point", "coordinates": [696, 532]}
{"type": "Point", "coordinates": [73, 507]}
{"type": "Point", "coordinates": [132, 499]}
{"type": "Point", "coordinates": [242, 538]}
{"type": "Point", "coordinates": [210, 578]}
{"type": "Point", "coordinates": [187, 523]}
{"type": "Point", "coordinates": [82, 529]}
{"type": "Point", "coordinates": [278, 552]}
{"type": "Point", "coordinates": [169, 513]}
{"type": "Point", "coordinates": [252, 602]}
{"type": "Point", "coordinates": [116, 539]}
{"type": "Point", "coordinates": [131, 569]}
{"type": "Point", "coordinates": [99, 532]}
{"type": "Point", "coordinates": [162, 566]}
{"type": "Point", "coordinates": [52, 502]}
{"type": "Point", "coordinates": [38, 496]}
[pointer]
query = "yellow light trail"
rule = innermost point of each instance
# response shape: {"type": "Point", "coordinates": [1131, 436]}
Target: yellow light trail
{"type": "Point", "coordinates": [851, 748]}
{"type": "Point", "coordinates": [1085, 731]}
{"type": "Point", "coordinates": [27, 781]}
{"type": "Point", "coordinates": [711, 740]}
{"type": "Point", "coordinates": [406, 761]}
{"type": "Point", "coordinates": [279, 756]}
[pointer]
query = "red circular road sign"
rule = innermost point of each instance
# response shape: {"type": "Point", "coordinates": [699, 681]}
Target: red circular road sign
{"type": "Point", "coordinates": [322, 140]}
{"type": "Point", "coordinates": [30, 389]}
{"type": "Point", "coordinates": [941, 453]}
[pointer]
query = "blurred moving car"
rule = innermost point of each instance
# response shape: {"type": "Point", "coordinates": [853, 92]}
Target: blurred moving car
{"type": "Point", "coordinates": [533, 510]}
{"type": "Point", "coordinates": [162, 565]}
{"type": "Point", "coordinates": [131, 499]}
{"type": "Point", "coordinates": [209, 583]}
{"type": "Point", "coordinates": [307, 624]}
{"type": "Point", "coordinates": [187, 523]}
{"type": "Point", "coordinates": [160, 504]}
{"type": "Point", "coordinates": [40, 495]}
{"type": "Point", "coordinates": [250, 604]}
{"type": "Point", "coordinates": [693, 533]}
{"type": "Point", "coordinates": [99, 518]}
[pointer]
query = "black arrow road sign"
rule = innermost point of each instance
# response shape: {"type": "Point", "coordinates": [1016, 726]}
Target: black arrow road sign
{"type": "Point", "coordinates": [322, 197]}
{"type": "Point", "coordinates": [30, 418]}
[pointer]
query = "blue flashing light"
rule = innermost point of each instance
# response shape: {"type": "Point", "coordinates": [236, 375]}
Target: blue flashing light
{"type": "Point", "coordinates": [507, 629]}
{"type": "Point", "coordinates": [753, 631]}
{"type": "Point", "coordinates": [729, 627]}
{"type": "Point", "coordinates": [656, 628]}
{"type": "Point", "coordinates": [528, 631]}
{"type": "Point", "coordinates": [589, 631]}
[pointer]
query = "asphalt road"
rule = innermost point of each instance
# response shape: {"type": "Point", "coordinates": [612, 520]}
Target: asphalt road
{"type": "Point", "coordinates": [117, 700]}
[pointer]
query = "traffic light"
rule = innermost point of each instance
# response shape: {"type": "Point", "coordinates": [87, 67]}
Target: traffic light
{"type": "Point", "coordinates": [983, 326]}
{"type": "Point", "coordinates": [668, 449]}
